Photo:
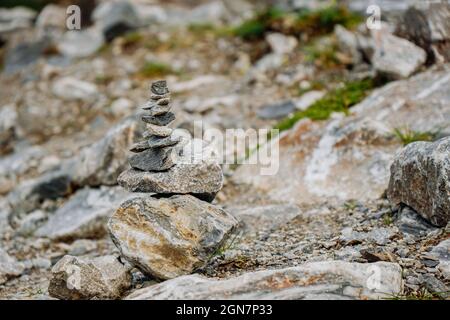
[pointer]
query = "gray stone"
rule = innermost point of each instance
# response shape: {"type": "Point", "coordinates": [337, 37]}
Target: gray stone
{"type": "Point", "coordinates": [115, 18]}
{"type": "Point", "coordinates": [169, 237]}
{"type": "Point", "coordinates": [315, 280]}
{"type": "Point", "coordinates": [397, 57]}
{"type": "Point", "coordinates": [52, 17]}
{"type": "Point", "coordinates": [277, 110]}
{"type": "Point", "coordinates": [81, 43]}
{"type": "Point", "coordinates": [196, 172]}
{"type": "Point", "coordinates": [24, 54]}
{"type": "Point", "coordinates": [281, 44]}
{"type": "Point", "coordinates": [435, 286]}
{"type": "Point", "coordinates": [348, 44]}
{"type": "Point", "coordinates": [420, 178]}
{"type": "Point", "coordinates": [159, 142]}
{"type": "Point", "coordinates": [441, 252]}
{"type": "Point", "coordinates": [84, 215]}
{"type": "Point", "coordinates": [9, 267]}
{"type": "Point", "coordinates": [76, 278]}
{"type": "Point", "coordinates": [158, 159]}
{"type": "Point", "coordinates": [160, 120]}
{"type": "Point", "coordinates": [410, 222]}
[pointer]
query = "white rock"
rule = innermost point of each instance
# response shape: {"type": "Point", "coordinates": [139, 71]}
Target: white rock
{"type": "Point", "coordinates": [307, 99]}
{"type": "Point", "coordinates": [9, 267]}
{"type": "Point", "coordinates": [15, 18]}
{"type": "Point", "coordinates": [194, 83]}
{"type": "Point", "coordinates": [281, 44]}
{"type": "Point", "coordinates": [196, 104]}
{"type": "Point", "coordinates": [73, 89]}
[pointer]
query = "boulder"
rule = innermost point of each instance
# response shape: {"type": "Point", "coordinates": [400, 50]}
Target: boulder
{"type": "Point", "coordinates": [84, 215]}
{"type": "Point", "coordinates": [169, 237]}
{"type": "Point", "coordinates": [75, 278]}
{"type": "Point", "coordinates": [396, 57]}
{"type": "Point", "coordinates": [12, 19]}
{"type": "Point", "coordinates": [311, 281]}
{"type": "Point", "coordinates": [420, 178]}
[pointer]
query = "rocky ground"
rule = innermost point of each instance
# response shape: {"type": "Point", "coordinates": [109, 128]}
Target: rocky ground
{"type": "Point", "coordinates": [359, 207]}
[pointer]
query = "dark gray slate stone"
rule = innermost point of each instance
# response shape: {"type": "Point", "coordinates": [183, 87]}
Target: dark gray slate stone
{"type": "Point", "coordinates": [158, 159]}
{"type": "Point", "coordinates": [409, 221]}
{"type": "Point", "coordinates": [277, 110]}
{"type": "Point", "coordinates": [159, 87]}
{"type": "Point", "coordinates": [160, 120]}
{"type": "Point", "coordinates": [159, 142]}
{"type": "Point", "coordinates": [24, 54]}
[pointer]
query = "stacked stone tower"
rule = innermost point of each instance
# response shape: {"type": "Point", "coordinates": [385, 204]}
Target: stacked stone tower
{"type": "Point", "coordinates": [174, 230]}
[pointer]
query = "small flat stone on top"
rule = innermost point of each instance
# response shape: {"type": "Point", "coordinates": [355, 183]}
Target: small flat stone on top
{"type": "Point", "coordinates": [159, 87]}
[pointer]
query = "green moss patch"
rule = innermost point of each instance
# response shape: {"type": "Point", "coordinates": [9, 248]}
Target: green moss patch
{"type": "Point", "coordinates": [338, 100]}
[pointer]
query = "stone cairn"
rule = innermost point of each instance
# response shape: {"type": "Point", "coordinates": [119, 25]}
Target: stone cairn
{"type": "Point", "coordinates": [156, 151]}
{"type": "Point", "coordinates": [169, 229]}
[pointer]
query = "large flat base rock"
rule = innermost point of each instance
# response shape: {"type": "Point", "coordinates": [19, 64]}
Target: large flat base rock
{"type": "Point", "coordinates": [316, 280]}
{"type": "Point", "coordinates": [169, 237]}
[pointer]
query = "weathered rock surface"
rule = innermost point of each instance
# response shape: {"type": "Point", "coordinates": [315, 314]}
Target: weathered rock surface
{"type": "Point", "coordinates": [85, 214]}
{"type": "Point", "coordinates": [196, 173]}
{"type": "Point", "coordinates": [420, 178]}
{"type": "Point", "coordinates": [349, 157]}
{"type": "Point", "coordinates": [76, 278]}
{"type": "Point", "coordinates": [169, 237]}
{"type": "Point", "coordinates": [397, 57]}
{"type": "Point", "coordinates": [9, 267]}
{"type": "Point", "coordinates": [442, 253]}
{"type": "Point", "coordinates": [316, 280]}
{"type": "Point", "coordinates": [102, 162]}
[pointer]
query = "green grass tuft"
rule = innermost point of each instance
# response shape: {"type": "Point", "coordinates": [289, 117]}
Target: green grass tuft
{"type": "Point", "coordinates": [305, 22]}
{"type": "Point", "coordinates": [156, 69]}
{"type": "Point", "coordinates": [338, 100]}
{"type": "Point", "coordinates": [407, 136]}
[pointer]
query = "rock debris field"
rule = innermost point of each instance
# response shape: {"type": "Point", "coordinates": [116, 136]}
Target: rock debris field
{"type": "Point", "coordinates": [107, 192]}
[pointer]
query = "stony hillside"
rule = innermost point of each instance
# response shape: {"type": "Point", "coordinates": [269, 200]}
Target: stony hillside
{"type": "Point", "coordinates": [98, 199]}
